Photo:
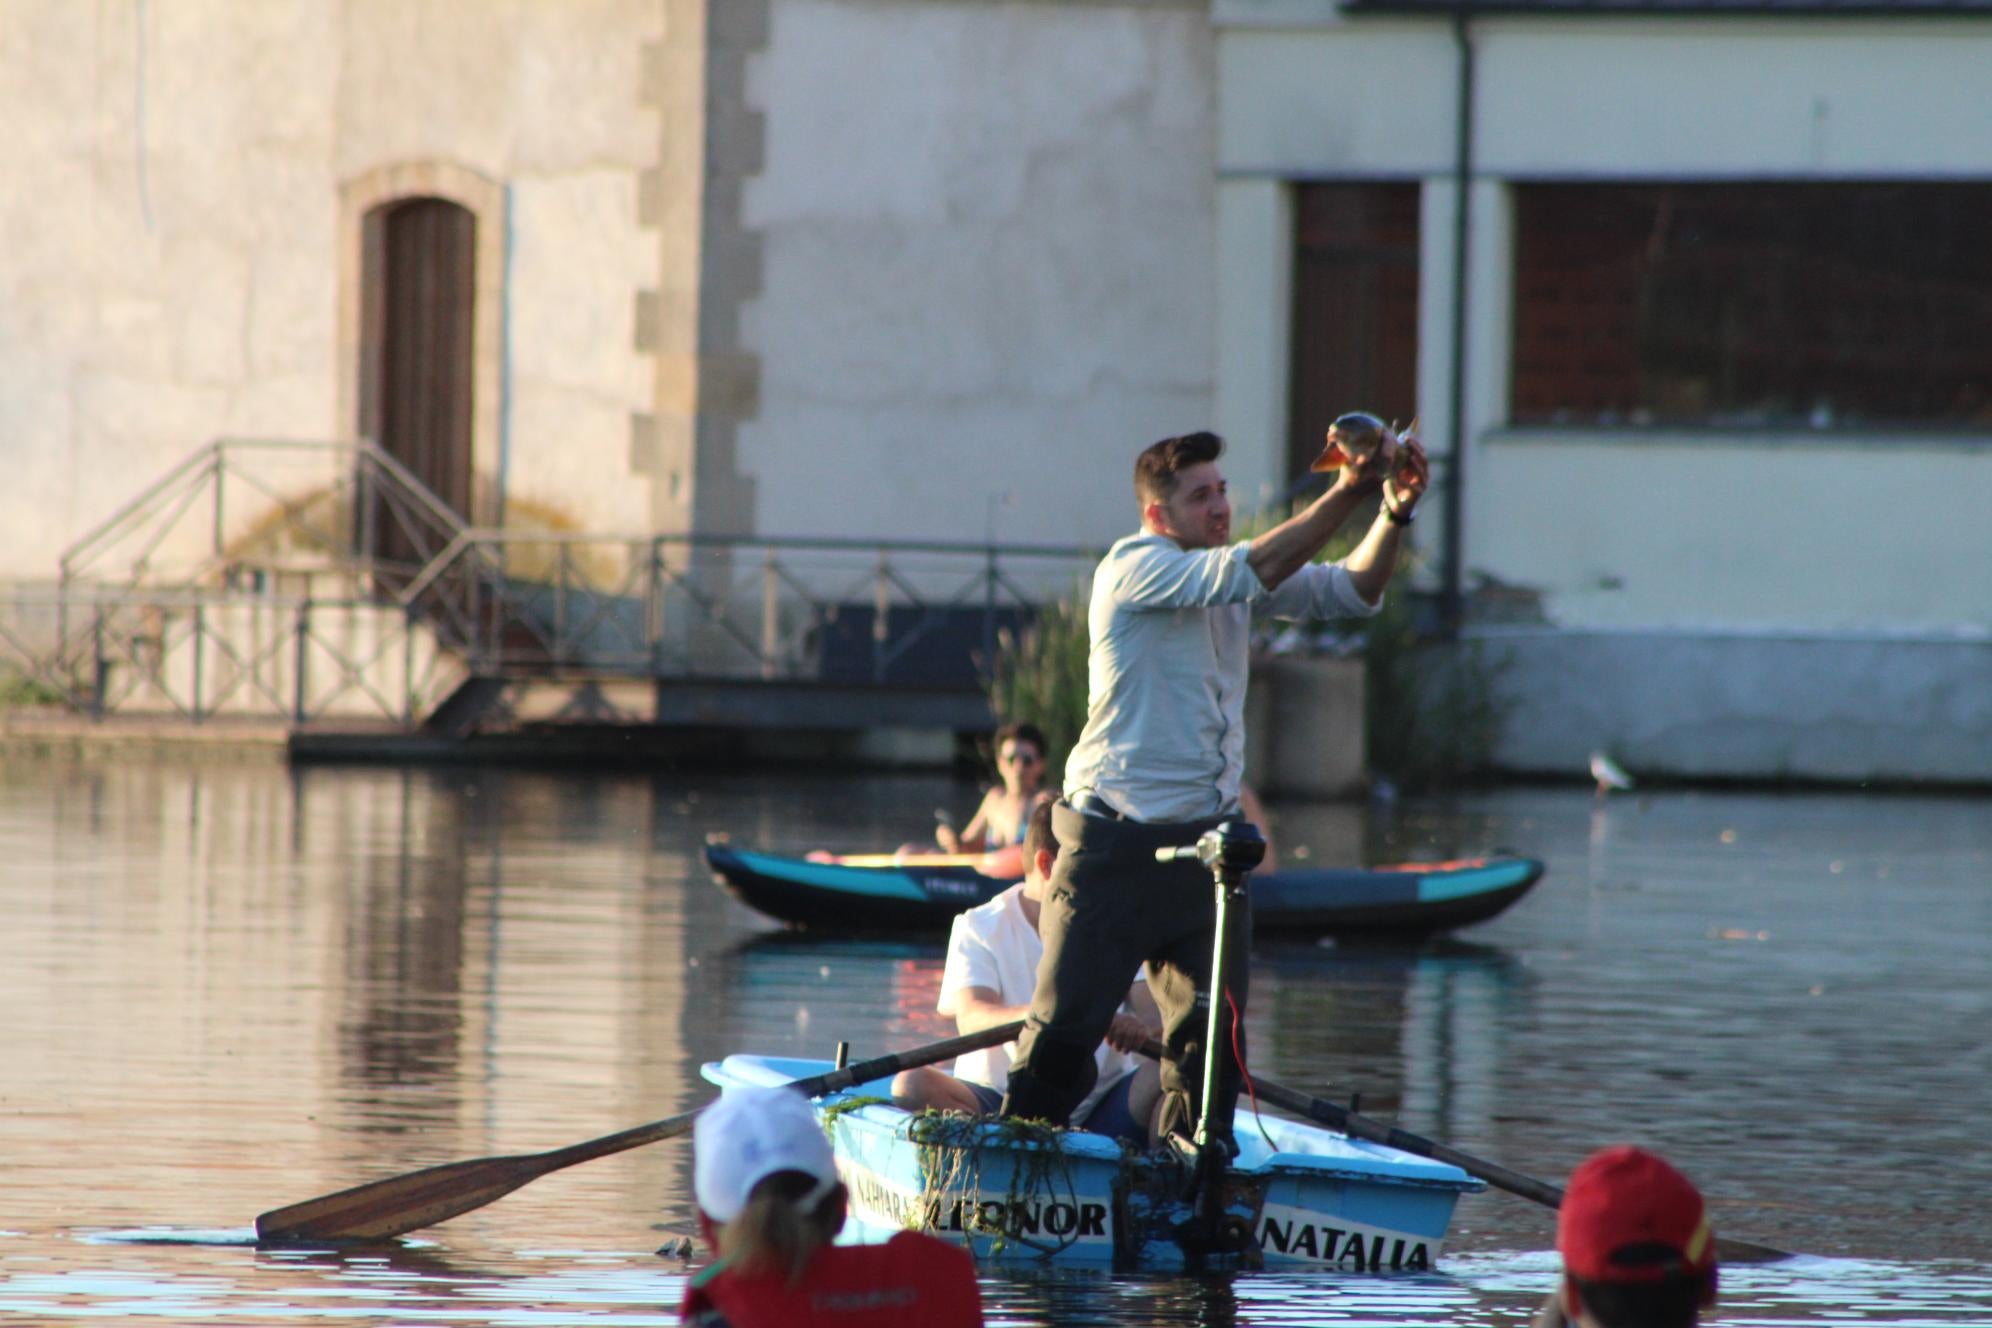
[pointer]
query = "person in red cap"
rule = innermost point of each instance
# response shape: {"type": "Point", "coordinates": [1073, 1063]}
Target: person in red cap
{"type": "Point", "coordinates": [1636, 1245]}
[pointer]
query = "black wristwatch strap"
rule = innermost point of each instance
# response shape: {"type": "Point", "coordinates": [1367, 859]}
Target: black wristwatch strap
{"type": "Point", "coordinates": [1397, 518]}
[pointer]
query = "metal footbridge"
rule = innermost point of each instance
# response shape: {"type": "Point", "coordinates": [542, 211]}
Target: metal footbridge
{"type": "Point", "coordinates": [321, 587]}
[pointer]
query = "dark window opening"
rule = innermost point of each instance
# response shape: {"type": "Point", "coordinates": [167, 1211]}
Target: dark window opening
{"type": "Point", "coordinates": [1355, 309]}
{"type": "Point", "coordinates": [1738, 305]}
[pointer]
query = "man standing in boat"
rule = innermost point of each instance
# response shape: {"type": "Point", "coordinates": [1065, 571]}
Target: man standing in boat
{"type": "Point", "coordinates": [1163, 750]}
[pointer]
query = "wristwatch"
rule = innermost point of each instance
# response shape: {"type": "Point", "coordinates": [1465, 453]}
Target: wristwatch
{"type": "Point", "coordinates": [1395, 517]}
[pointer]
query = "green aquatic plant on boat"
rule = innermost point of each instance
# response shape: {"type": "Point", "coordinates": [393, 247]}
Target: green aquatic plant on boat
{"type": "Point", "coordinates": [834, 1112]}
{"type": "Point", "coordinates": [955, 1149]}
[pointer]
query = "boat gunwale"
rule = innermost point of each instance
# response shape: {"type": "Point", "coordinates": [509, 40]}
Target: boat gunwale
{"type": "Point", "coordinates": [1085, 1145]}
{"type": "Point", "coordinates": [1389, 901]}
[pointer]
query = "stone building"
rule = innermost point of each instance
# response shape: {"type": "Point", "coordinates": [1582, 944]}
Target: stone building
{"type": "Point", "coordinates": [1693, 301]}
{"type": "Point", "coordinates": [777, 266]}
{"type": "Point", "coordinates": [1687, 296]}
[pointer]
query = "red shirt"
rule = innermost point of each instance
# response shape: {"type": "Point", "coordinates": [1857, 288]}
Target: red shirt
{"type": "Point", "coordinates": [913, 1280]}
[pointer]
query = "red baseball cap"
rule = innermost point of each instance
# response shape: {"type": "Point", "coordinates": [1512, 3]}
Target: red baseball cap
{"type": "Point", "coordinates": [1628, 1216]}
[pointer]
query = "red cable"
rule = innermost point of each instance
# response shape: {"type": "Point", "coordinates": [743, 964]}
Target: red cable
{"type": "Point", "coordinates": [1238, 1056]}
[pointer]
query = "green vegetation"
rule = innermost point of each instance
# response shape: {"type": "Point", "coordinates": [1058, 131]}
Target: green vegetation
{"type": "Point", "coordinates": [20, 690]}
{"type": "Point", "coordinates": [1434, 711]}
{"type": "Point", "coordinates": [1039, 675]}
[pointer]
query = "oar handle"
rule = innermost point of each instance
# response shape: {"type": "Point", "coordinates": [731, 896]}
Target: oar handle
{"type": "Point", "coordinates": [1728, 1250]}
{"type": "Point", "coordinates": [1363, 1127]}
{"type": "Point", "coordinates": [830, 1081]}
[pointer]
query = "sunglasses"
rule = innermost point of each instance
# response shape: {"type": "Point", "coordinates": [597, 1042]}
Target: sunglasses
{"type": "Point", "coordinates": [1020, 758]}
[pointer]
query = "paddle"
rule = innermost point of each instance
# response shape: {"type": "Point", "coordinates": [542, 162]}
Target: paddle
{"type": "Point", "coordinates": [1362, 1127]}
{"type": "Point", "coordinates": [382, 1209]}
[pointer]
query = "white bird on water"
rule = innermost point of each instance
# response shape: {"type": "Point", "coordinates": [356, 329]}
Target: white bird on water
{"type": "Point", "coordinates": [1609, 774]}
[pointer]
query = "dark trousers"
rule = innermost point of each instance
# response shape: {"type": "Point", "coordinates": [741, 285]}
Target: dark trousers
{"type": "Point", "coordinates": [1110, 906]}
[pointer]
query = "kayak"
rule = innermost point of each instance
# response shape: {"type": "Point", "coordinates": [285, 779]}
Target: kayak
{"type": "Point", "coordinates": [924, 892]}
{"type": "Point", "coordinates": [1022, 1192]}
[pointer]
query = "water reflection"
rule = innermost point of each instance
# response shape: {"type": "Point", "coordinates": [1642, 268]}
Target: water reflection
{"type": "Point", "coordinates": [1414, 1030]}
{"type": "Point", "coordinates": [236, 986]}
{"type": "Point", "coordinates": [582, 1286]}
{"type": "Point", "coordinates": [405, 952]}
{"type": "Point", "coordinates": [813, 974]}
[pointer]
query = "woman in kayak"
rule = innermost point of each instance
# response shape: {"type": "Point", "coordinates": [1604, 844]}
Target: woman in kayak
{"type": "Point", "coordinates": [770, 1204]}
{"type": "Point", "coordinates": [999, 822]}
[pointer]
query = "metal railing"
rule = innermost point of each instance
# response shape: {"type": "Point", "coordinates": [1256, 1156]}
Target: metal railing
{"type": "Point", "coordinates": [919, 613]}
{"type": "Point", "coordinates": [197, 655]}
{"type": "Point", "coordinates": [250, 510]}
{"type": "Point", "coordinates": [300, 581]}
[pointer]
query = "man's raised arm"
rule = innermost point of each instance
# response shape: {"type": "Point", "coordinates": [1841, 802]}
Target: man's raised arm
{"type": "Point", "coordinates": [1292, 544]}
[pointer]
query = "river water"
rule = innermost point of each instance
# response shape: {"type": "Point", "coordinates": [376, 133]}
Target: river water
{"type": "Point", "coordinates": [233, 986]}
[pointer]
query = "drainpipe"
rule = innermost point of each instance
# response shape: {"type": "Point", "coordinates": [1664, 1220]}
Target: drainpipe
{"type": "Point", "coordinates": [1452, 604]}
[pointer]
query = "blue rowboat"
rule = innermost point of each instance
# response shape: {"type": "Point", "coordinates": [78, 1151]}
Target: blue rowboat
{"type": "Point", "coordinates": [924, 893]}
{"type": "Point", "coordinates": [1010, 1192]}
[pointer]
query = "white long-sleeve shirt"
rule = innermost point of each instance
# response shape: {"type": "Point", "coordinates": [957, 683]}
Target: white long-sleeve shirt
{"type": "Point", "coordinates": [1170, 636]}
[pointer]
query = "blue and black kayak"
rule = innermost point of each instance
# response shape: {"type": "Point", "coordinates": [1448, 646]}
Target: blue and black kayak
{"type": "Point", "coordinates": [924, 892]}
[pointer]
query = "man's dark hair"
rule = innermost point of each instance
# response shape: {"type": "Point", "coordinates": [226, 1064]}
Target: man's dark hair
{"type": "Point", "coordinates": [1022, 731]}
{"type": "Point", "coordinates": [1038, 836]}
{"type": "Point", "coordinates": [1675, 1301]}
{"type": "Point", "coordinates": [1156, 469]}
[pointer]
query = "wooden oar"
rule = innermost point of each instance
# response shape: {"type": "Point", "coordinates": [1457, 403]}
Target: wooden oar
{"type": "Point", "coordinates": [1514, 1182]}
{"type": "Point", "coordinates": [382, 1209]}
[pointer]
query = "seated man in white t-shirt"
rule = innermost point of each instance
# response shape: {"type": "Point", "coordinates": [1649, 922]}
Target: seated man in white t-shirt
{"type": "Point", "coordinates": [993, 954]}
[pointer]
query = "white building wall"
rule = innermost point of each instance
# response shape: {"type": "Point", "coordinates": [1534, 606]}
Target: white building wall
{"type": "Point", "coordinates": [989, 250]}
{"type": "Point", "coordinates": [1374, 99]}
{"type": "Point", "coordinates": [1733, 604]}
{"type": "Point", "coordinates": [1735, 97]}
{"type": "Point", "coordinates": [1637, 99]}
{"type": "Point", "coordinates": [577, 258]}
{"type": "Point", "coordinates": [1254, 323]}
{"type": "Point", "coordinates": [170, 233]}
{"type": "Point", "coordinates": [1780, 532]}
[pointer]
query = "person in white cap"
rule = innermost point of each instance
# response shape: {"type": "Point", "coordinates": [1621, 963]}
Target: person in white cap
{"type": "Point", "coordinates": [770, 1204]}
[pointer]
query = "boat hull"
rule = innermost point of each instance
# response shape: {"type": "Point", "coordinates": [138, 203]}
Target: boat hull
{"type": "Point", "coordinates": [1407, 900]}
{"type": "Point", "coordinates": [1021, 1194]}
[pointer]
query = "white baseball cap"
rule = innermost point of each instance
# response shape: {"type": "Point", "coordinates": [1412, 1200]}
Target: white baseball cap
{"type": "Point", "coordinates": [749, 1135]}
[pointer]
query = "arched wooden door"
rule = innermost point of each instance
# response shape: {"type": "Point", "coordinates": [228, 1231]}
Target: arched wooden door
{"type": "Point", "coordinates": [416, 363]}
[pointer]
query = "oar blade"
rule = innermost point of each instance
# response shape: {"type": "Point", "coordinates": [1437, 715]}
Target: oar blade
{"type": "Point", "coordinates": [383, 1209]}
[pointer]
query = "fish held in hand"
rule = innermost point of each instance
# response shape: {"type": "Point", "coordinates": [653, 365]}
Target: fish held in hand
{"type": "Point", "coordinates": [1359, 436]}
